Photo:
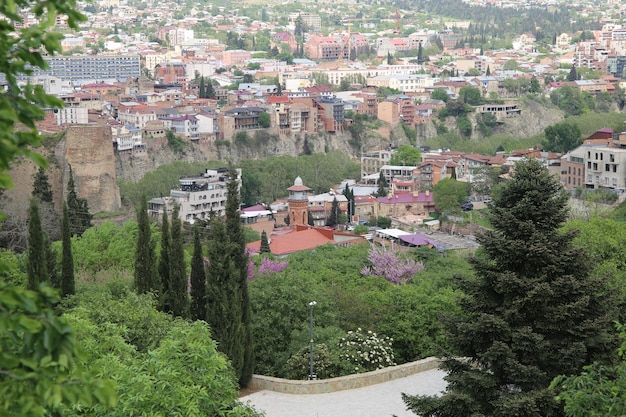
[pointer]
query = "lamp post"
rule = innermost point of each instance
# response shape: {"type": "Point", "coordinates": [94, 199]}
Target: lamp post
{"type": "Point", "coordinates": [311, 304]}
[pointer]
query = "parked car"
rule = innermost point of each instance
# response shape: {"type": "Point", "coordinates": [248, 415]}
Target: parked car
{"type": "Point", "coordinates": [467, 206]}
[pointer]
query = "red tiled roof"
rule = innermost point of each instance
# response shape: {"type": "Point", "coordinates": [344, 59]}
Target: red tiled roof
{"type": "Point", "coordinates": [293, 242]}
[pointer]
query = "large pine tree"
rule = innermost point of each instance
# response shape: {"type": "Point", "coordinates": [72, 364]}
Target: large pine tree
{"type": "Point", "coordinates": [164, 265]}
{"type": "Point", "coordinates": [37, 265]}
{"type": "Point", "coordinates": [67, 263]}
{"type": "Point", "coordinates": [78, 209]}
{"type": "Point", "coordinates": [179, 299]}
{"type": "Point", "coordinates": [532, 312]}
{"type": "Point", "coordinates": [198, 280]}
{"type": "Point", "coordinates": [227, 291]}
{"type": "Point", "coordinates": [146, 277]}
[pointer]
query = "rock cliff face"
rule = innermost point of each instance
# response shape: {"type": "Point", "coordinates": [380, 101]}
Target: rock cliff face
{"type": "Point", "coordinates": [89, 151]}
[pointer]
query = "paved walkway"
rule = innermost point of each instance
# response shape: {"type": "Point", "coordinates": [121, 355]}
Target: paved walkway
{"type": "Point", "coordinates": [381, 400]}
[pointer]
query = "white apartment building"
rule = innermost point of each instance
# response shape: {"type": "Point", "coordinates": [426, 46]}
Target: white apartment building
{"type": "Point", "coordinates": [196, 197]}
{"type": "Point", "coordinates": [605, 167]}
{"type": "Point", "coordinates": [408, 83]}
{"type": "Point", "coordinates": [71, 115]}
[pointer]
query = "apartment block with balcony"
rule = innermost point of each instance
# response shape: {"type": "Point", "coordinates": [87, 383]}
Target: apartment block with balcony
{"type": "Point", "coordinates": [197, 197]}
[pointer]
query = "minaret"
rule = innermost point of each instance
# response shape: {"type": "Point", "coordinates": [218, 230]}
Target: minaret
{"type": "Point", "coordinates": [298, 203]}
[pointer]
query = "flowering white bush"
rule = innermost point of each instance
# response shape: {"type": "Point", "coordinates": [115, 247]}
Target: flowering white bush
{"type": "Point", "coordinates": [363, 352]}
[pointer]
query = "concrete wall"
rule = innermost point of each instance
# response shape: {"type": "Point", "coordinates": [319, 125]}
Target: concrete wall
{"type": "Point", "coordinates": [260, 382]}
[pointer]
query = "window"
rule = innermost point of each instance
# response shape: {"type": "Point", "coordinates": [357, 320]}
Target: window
{"type": "Point", "coordinates": [614, 168]}
{"type": "Point", "coordinates": [595, 166]}
{"type": "Point", "coordinates": [607, 167]}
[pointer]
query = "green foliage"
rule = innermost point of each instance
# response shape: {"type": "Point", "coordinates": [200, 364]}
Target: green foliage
{"type": "Point", "coordinates": [470, 95]}
{"type": "Point", "coordinates": [364, 352]}
{"type": "Point", "coordinates": [176, 143]}
{"type": "Point", "coordinates": [440, 94]}
{"type": "Point", "coordinates": [178, 370]}
{"type": "Point", "coordinates": [464, 126]}
{"type": "Point", "coordinates": [346, 301]}
{"type": "Point", "coordinates": [562, 137]}
{"type": "Point", "coordinates": [146, 278]}
{"type": "Point", "coordinates": [179, 297]}
{"type": "Point", "coordinates": [532, 312]}
{"type": "Point", "coordinates": [264, 120]}
{"type": "Point", "coordinates": [361, 229]}
{"type": "Point", "coordinates": [77, 208]}
{"type": "Point", "coordinates": [68, 286]}
{"type": "Point", "coordinates": [449, 194]}
{"type": "Point", "coordinates": [13, 271]}
{"type": "Point", "coordinates": [106, 247]}
{"type": "Point", "coordinates": [265, 246]}
{"type": "Point", "coordinates": [406, 155]}
{"type": "Point", "coordinates": [41, 186]}
{"type": "Point", "coordinates": [598, 391]}
{"type": "Point", "coordinates": [485, 122]}
{"type": "Point", "coordinates": [570, 100]}
{"type": "Point", "coordinates": [197, 280]}
{"type": "Point", "coordinates": [37, 267]}
{"type": "Point", "coordinates": [40, 370]}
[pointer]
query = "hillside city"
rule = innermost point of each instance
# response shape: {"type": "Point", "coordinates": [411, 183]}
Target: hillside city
{"type": "Point", "coordinates": [388, 189]}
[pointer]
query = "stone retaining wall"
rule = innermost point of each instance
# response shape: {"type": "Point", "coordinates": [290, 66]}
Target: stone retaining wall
{"type": "Point", "coordinates": [260, 382]}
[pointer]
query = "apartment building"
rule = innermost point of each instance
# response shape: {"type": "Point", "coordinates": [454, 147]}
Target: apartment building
{"type": "Point", "coordinates": [324, 48]}
{"type": "Point", "coordinates": [84, 68]}
{"type": "Point", "coordinates": [197, 197]}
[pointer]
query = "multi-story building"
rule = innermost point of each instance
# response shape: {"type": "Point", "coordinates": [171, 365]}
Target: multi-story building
{"type": "Point", "coordinates": [324, 48]}
{"type": "Point", "coordinates": [185, 125]}
{"type": "Point", "coordinates": [91, 67]}
{"type": "Point", "coordinates": [237, 119]}
{"type": "Point", "coordinates": [331, 113]}
{"type": "Point", "coordinates": [395, 109]}
{"type": "Point", "coordinates": [372, 162]}
{"type": "Point", "coordinates": [397, 172]}
{"type": "Point", "coordinates": [197, 197]}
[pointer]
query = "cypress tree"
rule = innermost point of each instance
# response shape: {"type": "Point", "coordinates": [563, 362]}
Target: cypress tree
{"type": "Point", "coordinates": [201, 92]}
{"type": "Point", "coordinates": [209, 91]}
{"type": "Point", "coordinates": [164, 265]}
{"type": "Point", "coordinates": [532, 312]}
{"type": "Point", "coordinates": [310, 220]}
{"type": "Point", "coordinates": [78, 209]}
{"type": "Point", "coordinates": [145, 259]}
{"type": "Point", "coordinates": [37, 266]}
{"type": "Point", "coordinates": [198, 280]}
{"type": "Point", "coordinates": [382, 185]}
{"type": "Point", "coordinates": [333, 217]}
{"type": "Point", "coordinates": [228, 303]}
{"type": "Point", "coordinates": [51, 261]}
{"type": "Point", "coordinates": [223, 297]}
{"type": "Point", "coordinates": [265, 245]}
{"type": "Point", "coordinates": [41, 187]}
{"type": "Point", "coordinates": [178, 270]}
{"type": "Point", "coordinates": [67, 263]}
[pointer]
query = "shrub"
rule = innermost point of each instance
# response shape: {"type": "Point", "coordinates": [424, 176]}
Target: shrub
{"type": "Point", "coordinates": [363, 352]}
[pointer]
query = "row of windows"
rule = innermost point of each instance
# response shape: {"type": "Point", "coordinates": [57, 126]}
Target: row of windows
{"type": "Point", "coordinates": [601, 156]}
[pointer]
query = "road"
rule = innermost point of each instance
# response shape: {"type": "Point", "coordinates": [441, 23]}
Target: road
{"type": "Point", "coordinates": [380, 400]}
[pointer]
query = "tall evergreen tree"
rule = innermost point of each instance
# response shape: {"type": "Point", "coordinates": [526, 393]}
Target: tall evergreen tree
{"type": "Point", "coordinates": [146, 278]}
{"type": "Point", "coordinates": [51, 261]}
{"type": "Point", "coordinates": [209, 91]}
{"type": "Point", "coordinates": [223, 296]}
{"type": "Point", "coordinates": [333, 218]}
{"type": "Point", "coordinates": [228, 303]}
{"type": "Point", "coordinates": [201, 89]}
{"type": "Point", "coordinates": [265, 244]}
{"type": "Point", "coordinates": [67, 263]}
{"type": "Point", "coordinates": [198, 280]}
{"type": "Point", "coordinates": [41, 186]}
{"type": "Point", "coordinates": [78, 209]}
{"type": "Point", "coordinates": [164, 265]}
{"type": "Point", "coordinates": [420, 54]}
{"type": "Point", "coordinates": [532, 312]}
{"type": "Point", "coordinates": [37, 265]}
{"type": "Point", "coordinates": [178, 269]}
{"type": "Point", "coordinates": [382, 186]}
{"type": "Point", "coordinates": [488, 73]}
{"type": "Point", "coordinates": [573, 75]}
{"type": "Point", "coordinates": [310, 219]}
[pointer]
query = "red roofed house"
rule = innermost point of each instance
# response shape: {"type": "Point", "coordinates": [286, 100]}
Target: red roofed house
{"type": "Point", "coordinates": [284, 37]}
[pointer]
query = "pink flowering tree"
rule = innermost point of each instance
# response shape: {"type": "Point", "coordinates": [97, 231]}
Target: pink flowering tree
{"type": "Point", "coordinates": [387, 264]}
{"type": "Point", "coordinates": [267, 266]}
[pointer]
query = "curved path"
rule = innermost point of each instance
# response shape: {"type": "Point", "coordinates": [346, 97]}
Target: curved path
{"type": "Point", "coordinates": [380, 400]}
